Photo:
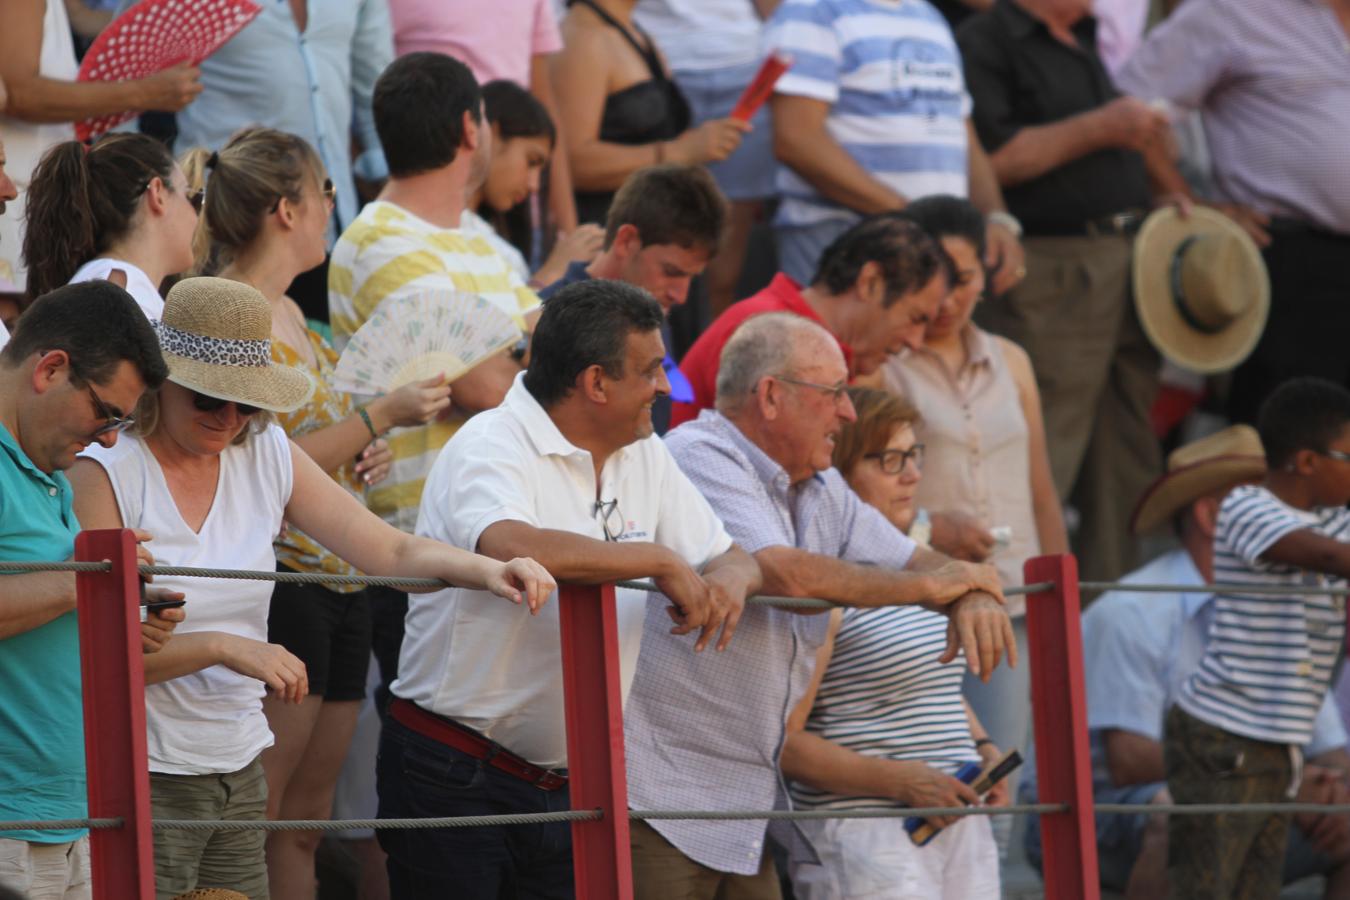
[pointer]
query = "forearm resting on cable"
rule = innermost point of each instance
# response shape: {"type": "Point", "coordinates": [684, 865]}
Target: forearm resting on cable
{"type": "Point", "coordinates": [573, 558]}
{"type": "Point", "coordinates": [31, 601]}
{"type": "Point", "coordinates": [790, 572]}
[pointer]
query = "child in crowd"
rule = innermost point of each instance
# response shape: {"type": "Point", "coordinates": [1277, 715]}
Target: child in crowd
{"type": "Point", "coordinates": [1235, 732]}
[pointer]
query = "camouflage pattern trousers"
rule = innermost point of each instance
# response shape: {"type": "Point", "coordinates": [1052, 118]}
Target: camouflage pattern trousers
{"type": "Point", "coordinates": [1229, 855]}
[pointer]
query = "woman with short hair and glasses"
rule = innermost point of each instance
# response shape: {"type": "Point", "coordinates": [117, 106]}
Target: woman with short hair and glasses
{"type": "Point", "coordinates": [981, 420]}
{"type": "Point", "coordinates": [883, 722]}
{"type": "Point", "coordinates": [268, 202]}
{"type": "Point", "coordinates": [213, 479]}
{"type": "Point", "coordinates": [118, 210]}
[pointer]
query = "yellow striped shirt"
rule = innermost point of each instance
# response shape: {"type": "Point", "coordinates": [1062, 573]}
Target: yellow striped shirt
{"type": "Point", "coordinates": [386, 252]}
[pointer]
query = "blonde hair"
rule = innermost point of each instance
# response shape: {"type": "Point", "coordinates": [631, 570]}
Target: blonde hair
{"type": "Point", "coordinates": [244, 181]}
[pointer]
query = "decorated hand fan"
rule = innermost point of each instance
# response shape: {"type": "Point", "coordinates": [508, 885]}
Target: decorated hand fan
{"type": "Point", "coordinates": [418, 336]}
{"type": "Point", "coordinates": [156, 35]}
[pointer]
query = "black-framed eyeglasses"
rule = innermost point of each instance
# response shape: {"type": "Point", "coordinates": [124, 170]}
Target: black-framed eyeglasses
{"type": "Point", "coordinates": [893, 461]}
{"type": "Point", "coordinates": [611, 520]}
{"type": "Point", "coordinates": [1340, 455]}
{"type": "Point", "coordinates": [836, 392]}
{"type": "Point", "coordinates": [114, 423]}
{"type": "Point", "coordinates": [207, 403]}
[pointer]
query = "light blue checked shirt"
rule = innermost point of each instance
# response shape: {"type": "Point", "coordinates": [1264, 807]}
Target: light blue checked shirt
{"type": "Point", "coordinates": [704, 731]}
{"type": "Point", "coordinates": [317, 84]}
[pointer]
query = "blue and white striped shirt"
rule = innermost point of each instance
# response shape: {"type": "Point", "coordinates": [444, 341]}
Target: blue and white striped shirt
{"type": "Point", "coordinates": [885, 694]}
{"type": "Point", "coordinates": [1268, 661]}
{"type": "Point", "coordinates": [892, 75]}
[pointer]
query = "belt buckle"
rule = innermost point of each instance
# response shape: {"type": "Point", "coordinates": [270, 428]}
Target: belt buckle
{"type": "Point", "coordinates": [1122, 222]}
{"type": "Point", "coordinates": [548, 780]}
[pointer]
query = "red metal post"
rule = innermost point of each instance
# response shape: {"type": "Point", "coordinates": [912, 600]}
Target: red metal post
{"type": "Point", "coordinates": [114, 716]}
{"type": "Point", "coordinates": [594, 707]}
{"type": "Point", "coordinates": [1059, 713]}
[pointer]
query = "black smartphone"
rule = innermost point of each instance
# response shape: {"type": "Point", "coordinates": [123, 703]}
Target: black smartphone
{"type": "Point", "coordinates": [155, 606]}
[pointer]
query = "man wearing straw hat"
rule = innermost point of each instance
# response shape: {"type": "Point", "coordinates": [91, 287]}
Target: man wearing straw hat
{"type": "Point", "coordinates": [79, 361]}
{"type": "Point", "coordinates": [1138, 649]}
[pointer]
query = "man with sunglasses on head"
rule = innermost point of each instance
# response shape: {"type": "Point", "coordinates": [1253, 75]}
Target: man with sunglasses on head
{"type": "Point", "coordinates": [79, 361]}
{"type": "Point", "coordinates": [568, 470]}
{"type": "Point", "coordinates": [762, 458]}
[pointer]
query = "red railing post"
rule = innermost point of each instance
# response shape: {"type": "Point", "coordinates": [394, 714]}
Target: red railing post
{"type": "Point", "coordinates": [594, 707]}
{"type": "Point", "coordinates": [114, 716]}
{"type": "Point", "coordinates": [1059, 713]}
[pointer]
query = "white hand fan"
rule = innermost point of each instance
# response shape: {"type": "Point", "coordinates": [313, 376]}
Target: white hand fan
{"type": "Point", "coordinates": [421, 335]}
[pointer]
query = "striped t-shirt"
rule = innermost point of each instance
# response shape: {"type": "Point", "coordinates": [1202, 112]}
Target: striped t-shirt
{"type": "Point", "coordinates": [885, 694]}
{"type": "Point", "coordinates": [892, 75]}
{"type": "Point", "coordinates": [387, 251]}
{"type": "Point", "coordinates": [1268, 660]}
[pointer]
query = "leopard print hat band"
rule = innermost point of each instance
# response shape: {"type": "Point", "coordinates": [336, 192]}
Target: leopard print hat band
{"type": "Point", "coordinates": [213, 350]}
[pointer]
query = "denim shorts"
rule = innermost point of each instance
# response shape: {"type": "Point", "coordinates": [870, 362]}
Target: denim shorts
{"type": "Point", "coordinates": [748, 174]}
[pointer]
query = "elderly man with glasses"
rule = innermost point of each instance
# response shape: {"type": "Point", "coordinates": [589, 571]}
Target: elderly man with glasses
{"type": "Point", "coordinates": [79, 361]}
{"type": "Point", "coordinates": [706, 731]}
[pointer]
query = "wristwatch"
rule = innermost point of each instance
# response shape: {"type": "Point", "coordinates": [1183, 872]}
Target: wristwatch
{"type": "Point", "coordinates": [1007, 220]}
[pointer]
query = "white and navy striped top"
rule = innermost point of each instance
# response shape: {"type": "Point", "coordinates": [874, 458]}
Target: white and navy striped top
{"type": "Point", "coordinates": [885, 694]}
{"type": "Point", "coordinates": [892, 76]}
{"type": "Point", "coordinates": [1268, 661]}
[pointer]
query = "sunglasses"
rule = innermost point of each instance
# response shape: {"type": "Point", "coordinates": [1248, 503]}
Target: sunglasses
{"type": "Point", "coordinates": [198, 199]}
{"type": "Point", "coordinates": [207, 403]}
{"type": "Point", "coordinates": [114, 423]}
{"type": "Point", "coordinates": [329, 191]}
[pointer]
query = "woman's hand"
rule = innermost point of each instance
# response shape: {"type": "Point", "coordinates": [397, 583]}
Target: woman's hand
{"type": "Point", "coordinates": [922, 785]}
{"type": "Point", "coordinates": [713, 141]}
{"type": "Point", "coordinates": [158, 626]}
{"type": "Point", "coordinates": [998, 794]}
{"type": "Point", "coordinates": [373, 465]}
{"type": "Point", "coordinates": [521, 579]}
{"type": "Point", "coordinates": [581, 244]}
{"type": "Point", "coordinates": [413, 404]}
{"type": "Point", "coordinates": [272, 664]}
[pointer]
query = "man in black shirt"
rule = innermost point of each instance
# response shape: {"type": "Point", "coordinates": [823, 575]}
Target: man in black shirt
{"type": "Point", "coordinates": [1073, 158]}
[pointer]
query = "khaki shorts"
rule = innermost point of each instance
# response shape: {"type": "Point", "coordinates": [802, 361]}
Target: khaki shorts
{"type": "Point", "coordinates": [46, 871]}
{"type": "Point", "coordinates": [662, 872]}
{"type": "Point", "coordinates": [222, 859]}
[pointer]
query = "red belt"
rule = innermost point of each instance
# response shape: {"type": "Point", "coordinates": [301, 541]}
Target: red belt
{"type": "Point", "coordinates": [452, 734]}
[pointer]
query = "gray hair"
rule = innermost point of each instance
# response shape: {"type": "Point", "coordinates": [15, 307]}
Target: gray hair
{"type": "Point", "coordinates": [764, 345]}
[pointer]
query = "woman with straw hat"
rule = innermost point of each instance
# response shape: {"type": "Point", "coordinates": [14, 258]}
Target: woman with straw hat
{"type": "Point", "coordinates": [212, 478]}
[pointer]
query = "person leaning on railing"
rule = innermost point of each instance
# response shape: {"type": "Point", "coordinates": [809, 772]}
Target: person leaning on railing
{"type": "Point", "coordinates": [763, 460]}
{"type": "Point", "coordinates": [883, 722]}
{"type": "Point", "coordinates": [212, 478]}
{"type": "Point", "coordinates": [82, 356]}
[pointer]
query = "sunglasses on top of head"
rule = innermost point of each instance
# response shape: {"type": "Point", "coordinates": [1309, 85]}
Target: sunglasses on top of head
{"type": "Point", "coordinates": [207, 403]}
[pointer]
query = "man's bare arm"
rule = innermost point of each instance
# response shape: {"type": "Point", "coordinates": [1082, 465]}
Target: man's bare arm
{"type": "Point", "coordinates": [32, 600]}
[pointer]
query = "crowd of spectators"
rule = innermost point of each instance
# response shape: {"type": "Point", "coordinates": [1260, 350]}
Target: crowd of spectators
{"type": "Point", "coordinates": [878, 343]}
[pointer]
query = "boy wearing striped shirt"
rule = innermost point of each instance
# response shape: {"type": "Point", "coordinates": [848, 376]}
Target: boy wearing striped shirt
{"type": "Point", "coordinates": [1234, 734]}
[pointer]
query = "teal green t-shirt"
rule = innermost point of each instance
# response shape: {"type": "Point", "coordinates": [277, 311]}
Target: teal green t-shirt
{"type": "Point", "coordinates": [41, 717]}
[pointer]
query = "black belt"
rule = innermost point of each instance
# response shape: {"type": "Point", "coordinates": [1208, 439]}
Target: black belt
{"type": "Point", "coordinates": [1122, 224]}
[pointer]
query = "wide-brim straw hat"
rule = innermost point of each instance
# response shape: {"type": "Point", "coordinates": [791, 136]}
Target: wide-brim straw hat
{"type": "Point", "coordinates": [1223, 459]}
{"type": "Point", "coordinates": [216, 337]}
{"type": "Point", "coordinates": [1201, 288]}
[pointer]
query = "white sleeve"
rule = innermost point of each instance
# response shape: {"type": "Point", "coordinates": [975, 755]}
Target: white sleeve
{"type": "Point", "coordinates": [478, 482]}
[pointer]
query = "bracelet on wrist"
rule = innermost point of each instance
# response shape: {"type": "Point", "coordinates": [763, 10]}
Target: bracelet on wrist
{"type": "Point", "coordinates": [370, 426]}
{"type": "Point", "coordinates": [980, 742]}
{"type": "Point", "coordinates": [1007, 220]}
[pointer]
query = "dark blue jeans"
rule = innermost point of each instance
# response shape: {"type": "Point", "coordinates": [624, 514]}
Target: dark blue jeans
{"type": "Point", "coordinates": [421, 778]}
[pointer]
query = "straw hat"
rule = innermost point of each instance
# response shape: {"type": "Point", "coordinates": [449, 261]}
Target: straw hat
{"type": "Point", "coordinates": [1223, 459]}
{"type": "Point", "coordinates": [216, 336]}
{"type": "Point", "coordinates": [1201, 288]}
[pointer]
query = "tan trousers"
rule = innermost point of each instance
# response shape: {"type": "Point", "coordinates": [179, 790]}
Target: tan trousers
{"type": "Point", "coordinates": [46, 871]}
{"type": "Point", "coordinates": [661, 872]}
{"type": "Point", "coordinates": [1098, 375]}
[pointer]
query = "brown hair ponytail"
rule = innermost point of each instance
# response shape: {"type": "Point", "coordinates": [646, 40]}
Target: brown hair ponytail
{"type": "Point", "coordinates": [81, 200]}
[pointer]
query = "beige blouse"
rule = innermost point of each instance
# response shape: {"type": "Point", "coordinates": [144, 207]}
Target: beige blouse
{"type": "Point", "coordinates": [977, 451]}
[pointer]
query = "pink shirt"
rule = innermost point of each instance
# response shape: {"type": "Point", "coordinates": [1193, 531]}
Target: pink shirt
{"type": "Point", "coordinates": [495, 44]}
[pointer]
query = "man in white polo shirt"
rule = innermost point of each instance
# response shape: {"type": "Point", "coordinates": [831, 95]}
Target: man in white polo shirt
{"type": "Point", "coordinates": [568, 470]}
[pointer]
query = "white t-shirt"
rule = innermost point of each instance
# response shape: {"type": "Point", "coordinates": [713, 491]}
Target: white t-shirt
{"type": "Point", "coordinates": [144, 291]}
{"type": "Point", "coordinates": [486, 662]}
{"type": "Point", "coordinates": [210, 721]}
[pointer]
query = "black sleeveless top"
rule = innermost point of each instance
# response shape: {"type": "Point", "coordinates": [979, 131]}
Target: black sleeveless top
{"type": "Point", "coordinates": [642, 113]}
